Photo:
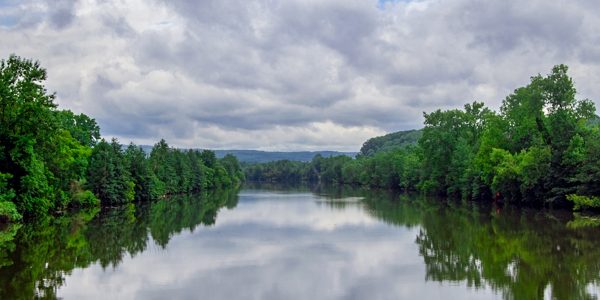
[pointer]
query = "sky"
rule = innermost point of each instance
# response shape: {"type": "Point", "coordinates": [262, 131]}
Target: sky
{"type": "Point", "coordinates": [295, 74]}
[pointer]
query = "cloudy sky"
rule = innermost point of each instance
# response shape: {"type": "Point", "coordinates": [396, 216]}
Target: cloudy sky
{"type": "Point", "coordinates": [293, 74]}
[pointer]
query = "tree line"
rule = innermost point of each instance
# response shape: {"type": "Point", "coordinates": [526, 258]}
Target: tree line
{"type": "Point", "coordinates": [542, 147]}
{"type": "Point", "coordinates": [52, 160]}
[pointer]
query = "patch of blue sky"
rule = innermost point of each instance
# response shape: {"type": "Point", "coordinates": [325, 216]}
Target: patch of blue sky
{"type": "Point", "coordinates": [7, 16]}
{"type": "Point", "coordinates": [8, 21]}
{"type": "Point", "coordinates": [8, 3]}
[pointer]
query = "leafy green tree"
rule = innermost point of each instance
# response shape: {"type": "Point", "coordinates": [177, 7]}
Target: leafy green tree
{"type": "Point", "coordinates": [81, 127]}
{"type": "Point", "coordinates": [449, 143]}
{"type": "Point", "coordinates": [161, 164]}
{"type": "Point", "coordinates": [183, 172]}
{"type": "Point", "coordinates": [545, 116]}
{"type": "Point", "coordinates": [108, 177]}
{"type": "Point", "coordinates": [198, 169]}
{"type": "Point", "coordinates": [27, 128]}
{"type": "Point", "coordinates": [232, 166]}
{"type": "Point", "coordinates": [139, 169]}
{"type": "Point", "coordinates": [209, 158]}
{"type": "Point", "coordinates": [8, 210]}
{"type": "Point", "coordinates": [43, 151]}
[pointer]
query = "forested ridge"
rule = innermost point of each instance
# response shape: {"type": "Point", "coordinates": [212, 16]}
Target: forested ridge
{"type": "Point", "coordinates": [259, 156]}
{"type": "Point", "coordinates": [390, 142]}
{"type": "Point", "coordinates": [52, 160]}
{"type": "Point", "coordinates": [542, 147]}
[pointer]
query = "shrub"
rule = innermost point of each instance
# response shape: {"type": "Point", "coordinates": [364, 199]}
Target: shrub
{"type": "Point", "coordinates": [583, 202]}
{"type": "Point", "coordinates": [8, 212]}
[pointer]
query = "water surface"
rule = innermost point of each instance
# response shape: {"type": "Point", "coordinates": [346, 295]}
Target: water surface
{"type": "Point", "coordinates": [304, 244]}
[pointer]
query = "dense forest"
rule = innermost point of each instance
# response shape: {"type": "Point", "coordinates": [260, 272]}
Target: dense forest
{"type": "Point", "coordinates": [52, 160]}
{"type": "Point", "coordinates": [541, 148]}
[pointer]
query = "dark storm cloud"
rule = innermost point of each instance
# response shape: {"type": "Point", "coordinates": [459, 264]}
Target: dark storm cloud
{"type": "Point", "coordinates": [306, 74]}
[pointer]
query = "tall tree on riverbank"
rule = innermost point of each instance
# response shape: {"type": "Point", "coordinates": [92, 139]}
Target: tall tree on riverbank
{"type": "Point", "coordinates": [39, 157]}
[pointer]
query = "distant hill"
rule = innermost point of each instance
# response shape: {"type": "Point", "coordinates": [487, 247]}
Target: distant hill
{"type": "Point", "coordinates": [257, 156]}
{"type": "Point", "coordinates": [391, 141]}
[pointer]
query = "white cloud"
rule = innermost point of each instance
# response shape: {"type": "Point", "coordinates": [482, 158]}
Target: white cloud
{"type": "Point", "coordinates": [292, 75]}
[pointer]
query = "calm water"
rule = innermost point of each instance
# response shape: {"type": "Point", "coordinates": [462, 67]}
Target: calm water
{"type": "Point", "coordinates": [303, 244]}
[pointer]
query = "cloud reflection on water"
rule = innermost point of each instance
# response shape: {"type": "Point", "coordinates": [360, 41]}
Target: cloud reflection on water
{"type": "Point", "coordinates": [275, 246]}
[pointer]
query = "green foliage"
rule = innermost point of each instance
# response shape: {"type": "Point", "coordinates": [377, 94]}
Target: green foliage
{"type": "Point", "coordinates": [208, 158]}
{"type": "Point", "coordinates": [390, 142]}
{"type": "Point", "coordinates": [520, 176]}
{"type": "Point", "coordinates": [142, 177]}
{"type": "Point", "coordinates": [6, 193]}
{"type": "Point", "coordinates": [178, 172]}
{"type": "Point", "coordinates": [583, 202]}
{"type": "Point", "coordinates": [8, 212]}
{"type": "Point", "coordinates": [39, 157]}
{"type": "Point", "coordinates": [81, 127]}
{"type": "Point", "coordinates": [278, 171]}
{"type": "Point", "coordinates": [26, 131]}
{"type": "Point", "coordinates": [449, 143]}
{"type": "Point", "coordinates": [108, 177]}
{"type": "Point", "coordinates": [582, 221]}
{"type": "Point", "coordinates": [85, 199]}
{"type": "Point", "coordinates": [162, 165]}
{"type": "Point", "coordinates": [79, 197]}
{"type": "Point", "coordinates": [233, 169]}
{"type": "Point", "coordinates": [389, 170]}
{"type": "Point", "coordinates": [583, 155]}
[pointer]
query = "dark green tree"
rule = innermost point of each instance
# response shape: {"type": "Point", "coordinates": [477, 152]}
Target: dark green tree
{"type": "Point", "coordinates": [108, 177]}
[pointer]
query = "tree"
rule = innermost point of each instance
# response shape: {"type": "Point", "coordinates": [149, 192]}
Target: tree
{"type": "Point", "coordinates": [449, 143]}
{"type": "Point", "coordinates": [139, 169]}
{"type": "Point", "coordinates": [27, 129]}
{"type": "Point", "coordinates": [108, 177]}
{"type": "Point", "coordinates": [232, 166]}
{"type": "Point", "coordinates": [542, 116]}
{"type": "Point", "coordinates": [81, 127]}
{"type": "Point", "coordinates": [161, 165]}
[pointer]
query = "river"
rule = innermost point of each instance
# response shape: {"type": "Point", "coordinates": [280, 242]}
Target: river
{"type": "Point", "coordinates": [304, 243]}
